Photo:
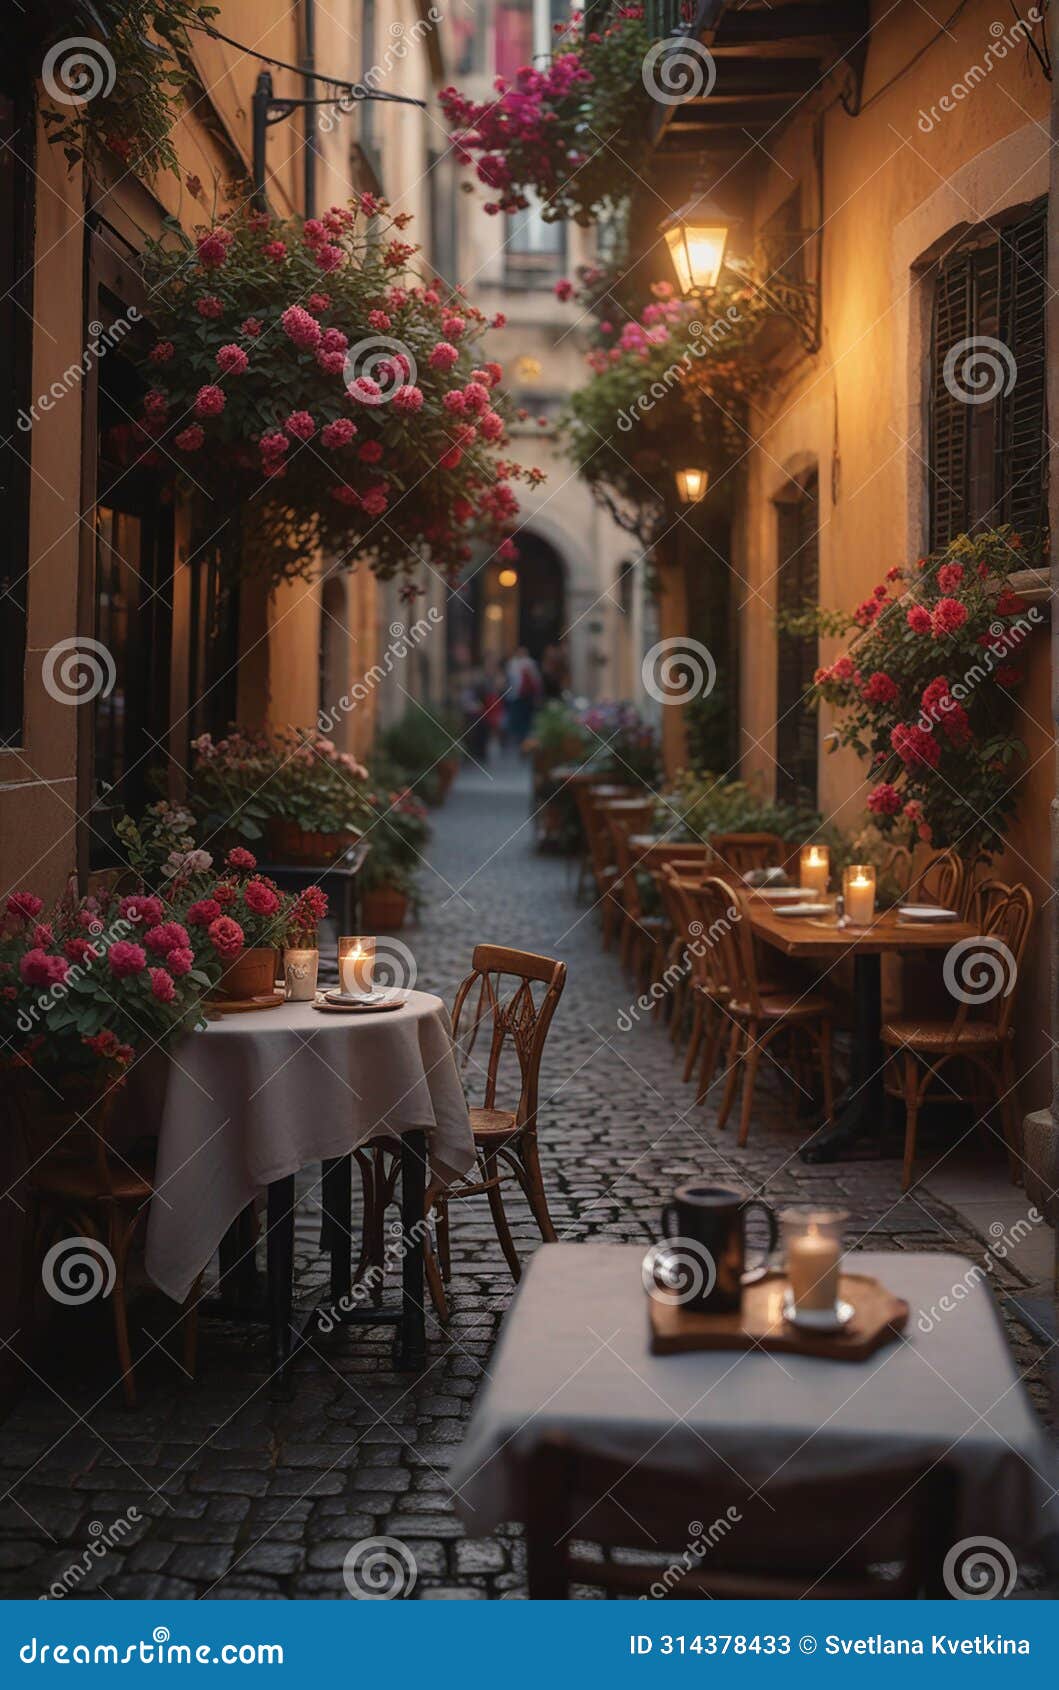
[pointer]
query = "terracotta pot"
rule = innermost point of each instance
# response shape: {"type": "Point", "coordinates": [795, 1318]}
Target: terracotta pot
{"type": "Point", "coordinates": [384, 909]}
{"type": "Point", "coordinates": [447, 770]}
{"type": "Point", "coordinates": [251, 975]}
{"type": "Point", "coordinates": [290, 843]}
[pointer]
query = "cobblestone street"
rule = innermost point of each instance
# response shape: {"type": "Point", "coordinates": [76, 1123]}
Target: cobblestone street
{"type": "Point", "coordinates": [236, 1496]}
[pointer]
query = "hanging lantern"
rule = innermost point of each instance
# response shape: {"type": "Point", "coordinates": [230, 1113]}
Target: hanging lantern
{"type": "Point", "coordinates": [697, 236]}
{"type": "Point", "coordinates": [692, 485]}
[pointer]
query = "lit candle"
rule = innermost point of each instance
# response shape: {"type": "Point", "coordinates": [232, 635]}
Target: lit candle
{"type": "Point", "coordinates": [812, 1269]}
{"type": "Point", "coordinates": [859, 892]}
{"type": "Point", "coordinates": [814, 868]}
{"type": "Point", "coordinates": [356, 965]}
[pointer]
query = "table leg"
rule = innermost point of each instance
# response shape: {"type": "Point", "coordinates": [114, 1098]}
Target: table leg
{"type": "Point", "coordinates": [863, 1114]}
{"type": "Point", "coordinates": [336, 1236]}
{"type": "Point", "coordinates": [239, 1290]}
{"type": "Point", "coordinates": [281, 1274]}
{"type": "Point", "coordinates": [412, 1339]}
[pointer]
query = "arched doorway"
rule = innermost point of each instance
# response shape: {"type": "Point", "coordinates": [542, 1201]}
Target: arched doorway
{"type": "Point", "coordinates": [517, 601]}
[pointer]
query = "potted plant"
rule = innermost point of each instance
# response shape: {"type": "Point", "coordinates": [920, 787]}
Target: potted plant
{"type": "Point", "coordinates": [244, 917]}
{"type": "Point", "coordinates": [301, 955]}
{"type": "Point", "coordinates": [293, 787]}
{"type": "Point", "coordinates": [387, 880]}
{"type": "Point", "coordinates": [422, 743]}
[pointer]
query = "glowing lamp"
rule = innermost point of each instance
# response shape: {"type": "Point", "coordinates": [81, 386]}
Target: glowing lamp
{"type": "Point", "coordinates": [697, 236]}
{"type": "Point", "coordinates": [508, 577]}
{"type": "Point", "coordinates": [692, 484]}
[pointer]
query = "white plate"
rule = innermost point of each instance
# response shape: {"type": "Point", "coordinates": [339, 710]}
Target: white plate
{"type": "Point", "coordinates": [803, 909]}
{"type": "Point", "coordinates": [777, 893]}
{"type": "Point", "coordinates": [817, 1320]}
{"type": "Point", "coordinates": [925, 912]}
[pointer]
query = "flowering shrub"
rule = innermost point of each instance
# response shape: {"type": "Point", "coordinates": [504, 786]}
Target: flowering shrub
{"type": "Point", "coordinates": [305, 374]}
{"type": "Point", "coordinates": [618, 732]}
{"type": "Point", "coordinates": [160, 848]}
{"type": "Point", "coordinates": [924, 693]}
{"type": "Point", "coordinates": [700, 803]}
{"type": "Point", "coordinates": [573, 133]}
{"type": "Point", "coordinates": [97, 981]}
{"type": "Point", "coordinates": [244, 910]}
{"type": "Point", "coordinates": [240, 782]}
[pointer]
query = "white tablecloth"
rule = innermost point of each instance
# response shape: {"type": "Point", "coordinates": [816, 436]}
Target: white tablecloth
{"type": "Point", "coordinates": [257, 1096]}
{"type": "Point", "coordinates": [573, 1361]}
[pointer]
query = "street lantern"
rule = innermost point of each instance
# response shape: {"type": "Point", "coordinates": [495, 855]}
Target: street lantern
{"type": "Point", "coordinates": [692, 485]}
{"type": "Point", "coordinates": [508, 577]}
{"type": "Point", "coordinates": [697, 236]}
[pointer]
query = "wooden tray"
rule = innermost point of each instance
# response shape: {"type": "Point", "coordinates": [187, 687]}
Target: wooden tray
{"type": "Point", "coordinates": [216, 1007]}
{"type": "Point", "coordinates": [759, 1324]}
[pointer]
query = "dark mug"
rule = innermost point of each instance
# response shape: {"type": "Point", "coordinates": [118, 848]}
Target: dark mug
{"type": "Point", "coordinates": [711, 1220]}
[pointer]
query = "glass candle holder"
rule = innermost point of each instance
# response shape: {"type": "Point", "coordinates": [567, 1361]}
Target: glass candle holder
{"type": "Point", "coordinates": [858, 891]}
{"type": "Point", "coordinates": [812, 1240]}
{"type": "Point", "coordinates": [356, 965]}
{"type": "Point", "coordinates": [814, 868]}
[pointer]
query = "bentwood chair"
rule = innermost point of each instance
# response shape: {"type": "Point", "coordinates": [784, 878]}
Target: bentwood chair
{"type": "Point", "coordinates": [744, 852]}
{"type": "Point", "coordinates": [981, 1032]}
{"type": "Point", "coordinates": [509, 999]}
{"type": "Point", "coordinates": [79, 1179]}
{"type": "Point", "coordinates": [939, 880]}
{"type": "Point", "coordinates": [642, 931]}
{"type": "Point", "coordinates": [886, 1535]}
{"type": "Point", "coordinates": [600, 854]}
{"type": "Point", "coordinates": [758, 1012]}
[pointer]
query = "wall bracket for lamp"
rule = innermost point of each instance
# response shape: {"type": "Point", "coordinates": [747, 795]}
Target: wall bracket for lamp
{"type": "Point", "coordinates": [269, 108]}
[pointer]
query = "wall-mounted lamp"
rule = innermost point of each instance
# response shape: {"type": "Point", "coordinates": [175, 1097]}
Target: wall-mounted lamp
{"type": "Point", "coordinates": [692, 485]}
{"type": "Point", "coordinates": [508, 577]}
{"type": "Point", "coordinates": [697, 238]}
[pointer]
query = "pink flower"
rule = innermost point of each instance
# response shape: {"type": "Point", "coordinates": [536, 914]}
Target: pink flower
{"type": "Point", "coordinates": [301, 328]}
{"type": "Point", "coordinates": [37, 968]}
{"type": "Point", "coordinates": [379, 320]}
{"type": "Point", "coordinates": [181, 962]}
{"type": "Point", "coordinates": [332, 363]}
{"type": "Point", "coordinates": [499, 321]}
{"type": "Point", "coordinates": [301, 425]}
{"type": "Point", "coordinates": [564, 290]}
{"type": "Point", "coordinates": [842, 668]}
{"type": "Point", "coordinates": [167, 936]}
{"type": "Point", "coordinates": [162, 351]}
{"type": "Point", "coordinates": [240, 858]}
{"type": "Point", "coordinates": [918, 619]}
{"type": "Point", "coordinates": [345, 496]}
{"type": "Point", "coordinates": [319, 302]}
{"type": "Point", "coordinates": [24, 906]}
{"type": "Point", "coordinates": [333, 340]}
{"type": "Point", "coordinates": [156, 403]}
{"type": "Point", "coordinates": [213, 248]}
{"type": "Point", "coordinates": [260, 898]}
{"type": "Point", "coordinates": [453, 327]}
{"type": "Point", "coordinates": [126, 959]}
{"type": "Point", "coordinates": [226, 937]}
{"type": "Point", "coordinates": [276, 251]}
{"type": "Point", "coordinates": [189, 439]}
{"type": "Point", "coordinates": [913, 810]}
{"type": "Point", "coordinates": [251, 326]}
{"type": "Point", "coordinates": [408, 398]}
{"type": "Point", "coordinates": [451, 460]}
{"type": "Point", "coordinates": [443, 356]}
{"type": "Point", "coordinates": [145, 910]}
{"type": "Point", "coordinates": [367, 391]}
{"type": "Point", "coordinates": [162, 986]}
{"type": "Point", "coordinates": [313, 232]}
{"type": "Point", "coordinates": [370, 452]}
{"type": "Point", "coordinates": [274, 444]}
{"type": "Point", "coordinates": [374, 501]}
{"type": "Point", "coordinates": [455, 402]}
{"type": "Point", "coordinates": [948, 618]}
{"type": "Point", "coordinates": [491, 425]}
{"type": "Point", "coordinates": [209, 401]}
{"type": "Point", "coordinates": [879, 688]}
{"type": "Point", "coordinates": [337, 433]}
{"type": "Point", "coordinates": [475, 396]}
{"type": "Point", "coordinates": [329, 257]}
{"type": "Point", "coordinates": [914, 745]}
{"type": "Point", "coordinates": [884, 800]}
{"type": "Point", "coordinates": [204, 912]}
{"type": "Point", "coordinates": [208, 305]}
{"type": "Point", "coordinates": [949, 576]}
{"type": "Point", "coordinates": [80, 950]}
{"type": "Point", "coordinates": [232, 360]}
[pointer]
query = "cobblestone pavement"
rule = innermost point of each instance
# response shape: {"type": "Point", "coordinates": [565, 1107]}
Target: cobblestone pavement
{"type": "Point", "coordinates": [226, 1494]}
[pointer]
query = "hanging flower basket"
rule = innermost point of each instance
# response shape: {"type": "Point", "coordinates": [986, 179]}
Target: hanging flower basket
{"type": "Point", "coordinates": [309, 379]}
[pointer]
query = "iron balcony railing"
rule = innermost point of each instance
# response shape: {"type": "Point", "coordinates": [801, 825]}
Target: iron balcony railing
{"type": "Point", "coordinates": [662, 17]}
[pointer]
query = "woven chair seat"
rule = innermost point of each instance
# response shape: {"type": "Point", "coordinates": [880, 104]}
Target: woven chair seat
{"type": "Point", "coordinates": [941, 1035]}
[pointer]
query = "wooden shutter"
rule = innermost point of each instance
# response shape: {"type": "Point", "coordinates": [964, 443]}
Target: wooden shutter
{"type": "Point", "coordinates": [950, 421]}
{"type": "Point", "coordinates": [1022, 467]}
{"type": "Point", "coordinates": [797, 655]}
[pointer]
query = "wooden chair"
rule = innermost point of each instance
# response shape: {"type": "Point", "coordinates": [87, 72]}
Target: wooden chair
{"type": "Point", "coordinates": [642, 932]}
{"type": "Point", "coordinates": [505, 1138]}
{"type": "Point", "coordinates": [600, 856]}
{"type": "Point", "coordinates": [758, 1012]}
{"type": "Point", "coordinates": [980, 1034]}
{"type": "Point", "coordinates": [882, 1533]}
{"type": "Point", "coordinates": [743, 852]}
{"type": "Point", "coordinates": [709, 982]}
{"type": "Point", "coordinates": [78, 1178]}
{"type": "Point", "coordinates": [675, 961]}
{"type": "Point", "coordinates": [939, 880]}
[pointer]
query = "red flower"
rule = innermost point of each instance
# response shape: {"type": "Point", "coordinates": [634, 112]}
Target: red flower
{"type": "Point", "coordinates": [301, 328]}
{"type": "Point", "coordinates": [213, 248]}
{"type": "Point", "coordinates": [1008, 676]}
{"type": "Point", "coordinates": [209, 401]}
{"type": "Point", "coordinates": [209, 306]}
{"type": "Point", "coordinates": [884, 800]}
{"type": "Point", "coordinates": [301, 425]}
{"type": "Point", "coordinates": [180, 962]}
{"type": "Point", "coordinates": [225, 893]}
{"type": "Point", "coordinates": [894, 573]}
{"type": "Point", "coordinates": [319, 302]}
{"type": "Point", "coordinates": [25, 906]}
{"type": "Point", "coordinates": [169, 936]}
{"type": "Point", "coordinates": [866, 612]}
{"type": "Point", "coordinates": [914, 745]}
{"type": "Point", "coordinates": [260, 898]}
{"type": "Point", "coordinates": [914, 810]}
{"type": "Point", "coordinates": [240, 858]}
{"type": "Point", "coordinates": [37, 968]}
{"type": "Point", "coordinates": [232, 360]}
{"type": "Point", "coordinates": [147, 910]}
{"type": "Point", "coordinates": [949, 576]}
{"type": "Point", "coordinates": [880, 688]}
{"type": "Point", "coordinates": [367, 391]}
{"type": "Point", "coordinates": [454, 401]}
{"type": "Point", "coordinates": [251, 327]}
{"type": "Point", "coordinates": [104, 1043]}
{"type": "Point", "coordinates": [370, 452]}
{"type": "Point", "coordinates": [126, 959]}
{"type": "Point", "coordinates": [1009, 603]}
{"type": "Point", "coordinates": [337, 433]}
{"type": "Point", "coordinates": [80, 950]}
{"type": "Point", "coordinates": [564, 290]}
{"type": "Point", "coordinates": [226, 937]}
{"type": "Point", "coordinates": [162, 351]}
{"type": "Point", "coordinates": [276, 251]}
{"type": "Point", "coordinates": [379, 320]}
{"type": "Point", "coordinates": [374, 501]}
{"type": "Point", "coordinates": [204, 912]}
{"type": "Point", "coordinates": [190, 439]}
{"type": "Point", "coordinates": [162, 986]}
{"type": "Point", "coordinates": [443, 356]}
{"type": "Point", "coordinates": [842, 668]}
{"type": "Point", "coordinates": [475, 396]}
{"type": "Point", "coordinates": [948, 618]}
{"type": "Point", "coordinates": [918, 619]}
{"type": "Point", "coordinates": [408, 398]}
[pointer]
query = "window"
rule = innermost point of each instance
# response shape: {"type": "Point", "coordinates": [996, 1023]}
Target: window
{"type": "Point", "coordinates": [514, 37]}
{"type": "Point", "coordinates": [988, 418]}
{"type": "Point", "coordinates": [796, 654]}
{"type": "Point", "coordinates": [534, 251]}
{"type": "Point", "coordinates": [16, 352]}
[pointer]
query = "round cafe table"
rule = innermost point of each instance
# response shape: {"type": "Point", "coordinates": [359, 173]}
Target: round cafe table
{"type": "Point", "coordinates": [256, 1096]}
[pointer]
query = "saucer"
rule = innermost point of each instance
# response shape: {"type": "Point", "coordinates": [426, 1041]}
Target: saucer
{"type": "Point", "coordinates": [817, 1320]}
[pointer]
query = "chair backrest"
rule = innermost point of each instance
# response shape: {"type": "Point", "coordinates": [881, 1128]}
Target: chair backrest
{"type": "Point", "coordinates": [516, 1019]}
{"type": "Point", "coordinates": [986, 973]}
{"type": "Point", "coordinates": [66, 1127]}
{"type": "Point", "coordinates": [623, 817]}
{"type": "Point", "coordinates": [689, 1534]}
{"type": "Point", "coordinates": [939, 880]}
{"type": "Point", "coordinates": [742, 852]}
{"type": "Point", "coordinates": [896, 867]}
{"type": "Point", "coordinates": [724, 940]}
{"type": "Point", "coordinates": [589, 802]}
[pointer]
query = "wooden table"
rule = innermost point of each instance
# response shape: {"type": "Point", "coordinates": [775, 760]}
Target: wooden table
{"type": "Point", "coordinates": [820, 939]}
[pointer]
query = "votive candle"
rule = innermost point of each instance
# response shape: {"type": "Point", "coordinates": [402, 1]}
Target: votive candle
{"type": "Point", "coordinates": [812, 1269]}
{"type": "Point", "coordinates": [814, 868]}
{"type": "Point", "coordinates": [858, 891]}
{"type": "Point", "coordinates": [356, 965]}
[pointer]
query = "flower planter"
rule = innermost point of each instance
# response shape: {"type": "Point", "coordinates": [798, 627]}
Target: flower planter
{"type": "Point", "coordinates": [290, 843]}
{"type": "Point", "coordinates": [447, 770]}
{"type": "Point", "coordinates": [384, 909]}
{"type": "Point", "coordinates": [251, 975]}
